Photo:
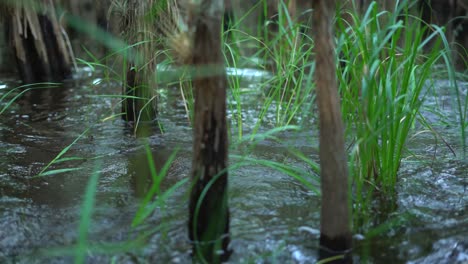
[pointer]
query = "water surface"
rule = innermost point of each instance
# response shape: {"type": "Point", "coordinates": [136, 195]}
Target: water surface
{"type": "Point", "coordinates": [274, 217]}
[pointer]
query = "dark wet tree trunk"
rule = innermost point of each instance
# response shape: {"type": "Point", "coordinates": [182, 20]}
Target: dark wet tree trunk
{"type": "Point", "coordinates": [36, 36]}
{"type": "Point", "coordinates": [6, 56]}
{"type": "Point", "coordinates": [363, 5]}
{"type": "Point", "coordinates": [439, 13]}
{"type": "Point", "coordinates": [271, 13]}
{"type": "Point", "coordinates": [453, 15]}
{"type": "Point", "coordinates": [335, 230]}
{"type": "Point", "coordinates": [208, 212]}
{"type": "Point", "coordinates": [139, 84]}
{"type": "Point", "coordinates": [461, 38]}
{"type": "Point", "coordinates": [99, 15]}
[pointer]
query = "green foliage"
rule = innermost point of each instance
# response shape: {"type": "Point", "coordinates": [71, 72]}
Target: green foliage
{"type": "Point", "coordinates": [384, 75]}
{"type": "Point", "coordinates": [14, 94]}
{"type": "Point", "coordinates": [383, 82]}
{"type": "Point", "coordinates": [148, 205]}
{"type": "Point", "coordinates": [287, 53]}
{"type": "Point", "coordinates": [385, 72]}
{"type": "Point", "coordinates": [86, 215]}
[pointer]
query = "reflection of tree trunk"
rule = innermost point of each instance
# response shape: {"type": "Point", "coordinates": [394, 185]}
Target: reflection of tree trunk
{"type": "Point", "coordinates": [335, 232]}
{"type": "Point", "coordinates": [139, 82]}
{"type": "Point", "coordinates": [140, 176]}
{"type": "Point", "coordinates": [40, 48]}
{"type": "Point", "coordinates": [209, 223]}
{"type": "Point", "coordinates": [141, 180]}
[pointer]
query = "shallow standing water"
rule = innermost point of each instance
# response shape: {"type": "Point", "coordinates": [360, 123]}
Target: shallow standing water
{"type": "Point", "coordinates": [272, 214]}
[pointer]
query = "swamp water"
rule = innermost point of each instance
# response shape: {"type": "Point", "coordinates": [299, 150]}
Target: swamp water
{"type": "Point", "coordinates": [274, 218]}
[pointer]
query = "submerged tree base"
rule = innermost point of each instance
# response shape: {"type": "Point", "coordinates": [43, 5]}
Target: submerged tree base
{"type": "Point", "coordinates": [208, 210]}
{"type": "Point", "coordinates": [335, 250]}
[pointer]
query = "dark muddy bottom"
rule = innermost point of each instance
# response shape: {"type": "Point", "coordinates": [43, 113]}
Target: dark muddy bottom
{"type": "Point", "coordinates": [275, 219]}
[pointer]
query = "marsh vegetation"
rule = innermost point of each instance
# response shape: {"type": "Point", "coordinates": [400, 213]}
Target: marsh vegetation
{"type": "Point", "coordinates": [106, 131]}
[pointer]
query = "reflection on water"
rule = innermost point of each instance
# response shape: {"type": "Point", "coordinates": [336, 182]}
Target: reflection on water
{"type": "Point", "coordinates": [271, 212]}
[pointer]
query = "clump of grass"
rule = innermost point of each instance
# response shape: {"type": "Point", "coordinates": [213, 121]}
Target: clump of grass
{"type": "Point", "coordinates": [382, 81]}
{"type": "Point", "coordinates": [288, 94]}
{"type": "Point", "coordinates": [382, 76]}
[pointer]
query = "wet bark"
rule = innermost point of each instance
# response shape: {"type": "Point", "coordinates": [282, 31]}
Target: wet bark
{"type": "Point", "coordinates": [439, 13]}
{"type": "Point", "coordinates": [6, 55]}
{"type": "Point", "coordinates": [272, 15]}
{"type": "Point", "coordinates": [36, 37]}
{"type": "Point", "coordinates": [335, 221]}
{"type": "Point", "coordinates": [453, 15]}
{"type": "Point", "coordinates": [461, 39]}
{"type": "Point", "coordinates": [139, 105]}
{"type": "Point", "coordinates": [208, 209]}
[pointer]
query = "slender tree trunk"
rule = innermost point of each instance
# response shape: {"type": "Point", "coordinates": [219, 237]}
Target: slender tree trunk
{"type": "Point", "coordinates": [209, 213]}
{"type": "Point", "coordinates": [335, 232]}
{"type": "Point", "coordinates": [140, 105]}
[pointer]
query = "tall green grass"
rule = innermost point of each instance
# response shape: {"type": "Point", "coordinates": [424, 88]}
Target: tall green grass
{"type": "Point", "coordinates": [383, 83]}
{"type": "Point", "coordinates": [288, 95]}
{"type": "Point", "coordinates": [385, 72]}
{"type": "Point", "coordinates": [383, 76]}
{"type": "Point", "coordinates": [86, 216]}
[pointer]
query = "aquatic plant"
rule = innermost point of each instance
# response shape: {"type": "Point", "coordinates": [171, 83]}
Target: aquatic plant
{"type": "Point", "coordinates": [383, 76]}
{"type": "Point", "coordinates": [383, 81]}
{"type": "Point", "coordinates": [286, 52]}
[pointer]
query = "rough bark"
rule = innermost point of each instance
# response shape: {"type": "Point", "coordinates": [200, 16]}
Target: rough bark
{"type": "Point", "coordinates": [209, 222]}
{"type": "Point", "coordinates": [6, 56]}
{"type": "Point", "coordinates": [38, 43]}
{"type": "Point", "coordinates": [335, 230]}
{"type": "Point", "coordinates": [140, 106]}
{"type": "Point", "coordinates": [453, 15]}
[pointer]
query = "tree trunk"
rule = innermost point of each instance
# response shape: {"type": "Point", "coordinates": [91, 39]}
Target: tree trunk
{"type": "Point", "coordinates": [6, 56]}
{"type": "Point", "coordinates": [451, 14]}
{"type": "Point", "coordinates": [335, 232]}
{"type": "Point", "coordinates": [208, 212]}
{"type": "Point", "coordinates": [40, 48]}
{"type": "Point", "coordinates": [140, 105]}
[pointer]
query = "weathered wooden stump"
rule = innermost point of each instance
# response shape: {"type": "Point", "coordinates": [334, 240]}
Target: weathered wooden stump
{"type": "Point", "coordinates": [208, 210]}
{"type": "Point", "coordinates": [36, 36]}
